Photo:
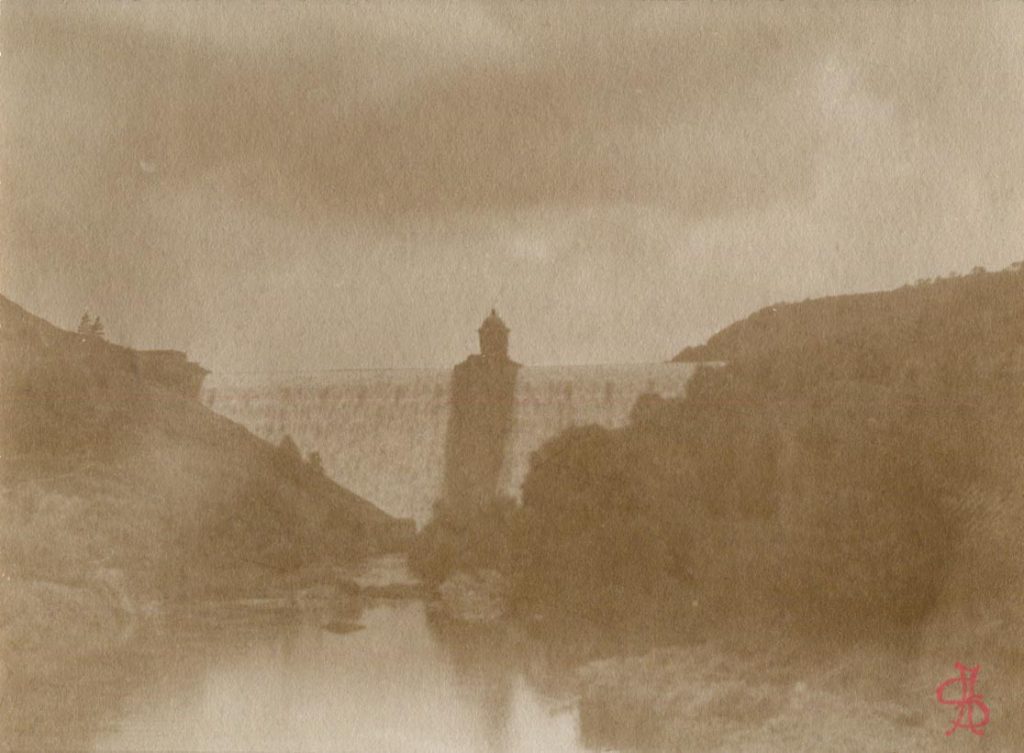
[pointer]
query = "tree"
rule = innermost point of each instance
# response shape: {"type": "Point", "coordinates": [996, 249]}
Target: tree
{"type": "Point", "coordinates": [85, 325]}
{"type": "Point", "coordinates": [600, 546]}
{"type": "Point", "coordinates": [289, 449]}
{"type": "Point", "coordinates": [484, 536]}
{"type": "Point", "coordinates": [96, 328]}
{"type": "Point", "coordinates": [315, 462]}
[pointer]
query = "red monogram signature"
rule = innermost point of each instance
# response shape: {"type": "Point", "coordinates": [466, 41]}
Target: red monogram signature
{"type": "Point", "coordinates": [966, 702]}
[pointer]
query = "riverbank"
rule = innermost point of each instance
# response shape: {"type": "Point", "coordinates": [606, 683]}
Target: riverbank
{"type": "Point", "coordinates": [721, 697]}
{"type": "Point", "coordinates": [46, 626]}
{"type": "Point", "coordinates": [746, 687]}
{"type": "Point", "coordinates": [782, 698]}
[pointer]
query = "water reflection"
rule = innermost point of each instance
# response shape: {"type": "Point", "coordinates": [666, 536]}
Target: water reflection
{"type": "Point", "coordinates": [268, 677]}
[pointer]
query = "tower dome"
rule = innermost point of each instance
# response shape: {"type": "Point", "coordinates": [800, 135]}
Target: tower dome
{"type": "Point", "coordinates": [493, 337]}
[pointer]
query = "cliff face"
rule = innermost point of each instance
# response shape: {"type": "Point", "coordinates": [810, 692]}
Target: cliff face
{"type": "Point", "coordinates": [479, 427]}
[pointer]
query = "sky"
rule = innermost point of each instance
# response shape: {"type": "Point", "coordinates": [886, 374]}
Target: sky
{"type": "Point", "coordinates": [286, 186]}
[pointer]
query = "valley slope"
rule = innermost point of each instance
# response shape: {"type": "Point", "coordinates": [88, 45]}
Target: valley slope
{"type": "Point", "coordinates": [118, 492]}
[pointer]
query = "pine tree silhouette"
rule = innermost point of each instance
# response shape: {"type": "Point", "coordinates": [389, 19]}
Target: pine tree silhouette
{"type": "Point", "coordinates": [96, 328]}
{"type": "Point", "coordinates": [84, 325]}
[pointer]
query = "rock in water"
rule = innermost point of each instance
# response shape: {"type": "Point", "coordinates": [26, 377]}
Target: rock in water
{"type": "Point", "coordinates": [341, 627]}
{"type": "Point", "coordinates": [474, 597]}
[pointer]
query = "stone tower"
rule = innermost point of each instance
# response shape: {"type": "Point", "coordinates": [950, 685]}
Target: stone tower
{"type": "Point", "coordinates": [480, 421]}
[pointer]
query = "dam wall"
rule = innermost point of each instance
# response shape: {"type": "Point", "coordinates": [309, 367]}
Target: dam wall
{"type": "Point", "coordinates": [383, 433]}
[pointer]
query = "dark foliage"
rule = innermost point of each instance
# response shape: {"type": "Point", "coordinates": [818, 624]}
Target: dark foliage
{"type": "Point", "coordinates": [816, 473]}
{"type": "Point", "coordinates": [600, 544]}
{"type": "Point", "coordinates": [482, 537]}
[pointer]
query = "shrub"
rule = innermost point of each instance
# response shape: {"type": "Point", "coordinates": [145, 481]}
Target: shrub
{"type": "Point", "coordinates": [598, 546]}
{"type": "Point", "coordinates": [477, 538]}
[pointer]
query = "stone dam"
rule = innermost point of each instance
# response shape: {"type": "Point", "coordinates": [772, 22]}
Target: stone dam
{"type": "Point", "coordinates": [408, 439]}
{"type": "Point", "coordinates": [382, 434]}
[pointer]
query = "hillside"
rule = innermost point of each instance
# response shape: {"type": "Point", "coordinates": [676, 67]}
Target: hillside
{"type": "Point", "coordinates": [845, 484]}
{"type": "Point", "coordinates": [957, 313]}
{"type": "Point", "coordinates": [119, 491]}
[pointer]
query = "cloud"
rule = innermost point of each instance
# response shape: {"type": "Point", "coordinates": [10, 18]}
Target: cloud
{"type": "Point", "coordinates": [391, 111]}
{"type": "Point", "coordinates": [616, 168]}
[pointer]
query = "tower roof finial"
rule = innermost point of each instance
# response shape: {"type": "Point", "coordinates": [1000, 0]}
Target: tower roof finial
{"type": "Point", "coordinates": [494, 337]}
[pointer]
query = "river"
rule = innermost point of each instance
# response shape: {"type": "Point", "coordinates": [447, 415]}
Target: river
{"type": "Point", "coordinates": [274, 675]}
{"type": "Point", "coordinates": [314, 669]}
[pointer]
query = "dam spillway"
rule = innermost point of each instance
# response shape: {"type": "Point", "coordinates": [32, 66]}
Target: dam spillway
{"type": "Point", "coordinates": [382, 433]}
